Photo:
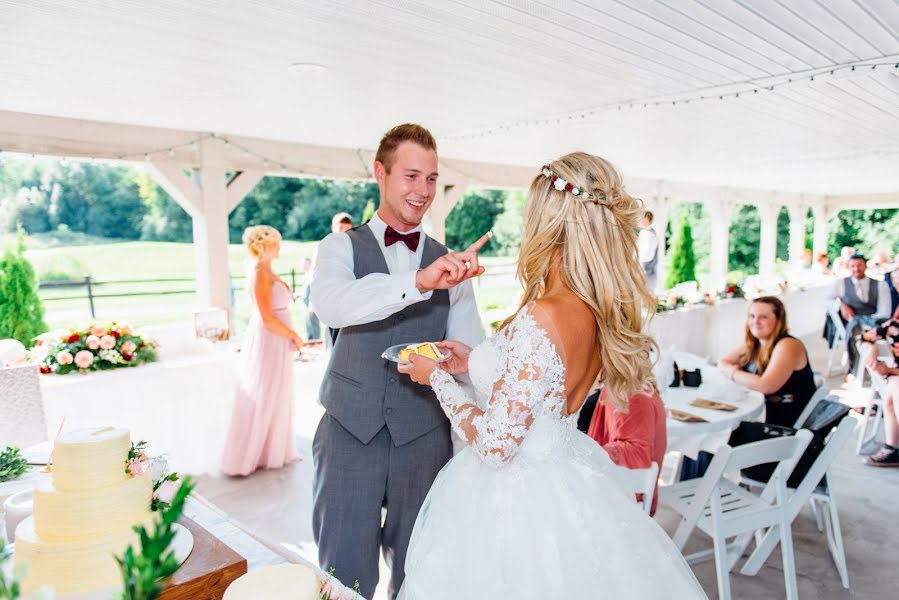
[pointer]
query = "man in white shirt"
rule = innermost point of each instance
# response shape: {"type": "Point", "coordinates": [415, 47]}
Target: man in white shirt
{"type": "Point", "coordinates": [648, 250]}
{"type": "Point", "coordinates": [863, 302]}
{"type": "Point", "coordinates": [384, 438]}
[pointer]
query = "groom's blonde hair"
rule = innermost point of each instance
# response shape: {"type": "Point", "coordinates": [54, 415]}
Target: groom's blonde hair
{"type": "Point", "coordinates": [407, 132]}
{"type": "Point", "coordinates": [595, 245]}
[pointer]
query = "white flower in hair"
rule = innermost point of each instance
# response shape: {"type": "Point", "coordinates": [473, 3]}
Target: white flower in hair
{"type": "Point", "coordinates": [560, 184]}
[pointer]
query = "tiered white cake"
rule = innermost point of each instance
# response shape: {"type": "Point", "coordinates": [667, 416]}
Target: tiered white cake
{"type": "Point", "coordinates": [83, 513]}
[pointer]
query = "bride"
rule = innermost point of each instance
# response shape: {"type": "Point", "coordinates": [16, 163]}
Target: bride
{"type": "Point", "coordinates": [530, 509]}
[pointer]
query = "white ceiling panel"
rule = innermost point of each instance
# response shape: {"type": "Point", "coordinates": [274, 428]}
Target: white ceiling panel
{"type": "Point", "coordinates": [507, 81]}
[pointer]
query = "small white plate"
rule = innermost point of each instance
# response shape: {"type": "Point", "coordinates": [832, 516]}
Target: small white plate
{"type": "Point", "coordinates": [393, 353]}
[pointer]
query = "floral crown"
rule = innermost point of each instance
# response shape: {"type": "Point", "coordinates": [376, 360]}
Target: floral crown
{"type": "Point", "coordinates": [563, 186]}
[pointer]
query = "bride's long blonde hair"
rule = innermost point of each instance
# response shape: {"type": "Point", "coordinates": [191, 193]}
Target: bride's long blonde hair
{"type": "Point", "coordinates": [596, 244]}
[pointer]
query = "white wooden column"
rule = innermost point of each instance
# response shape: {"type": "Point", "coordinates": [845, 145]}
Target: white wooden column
{"type": "Point", "coordinates": [768, 212]}
{"type": "Point", "coordinates": [660, 205]}
{"type": "Point", "coordinates": [720, 213]}
{"type": "Point", "coordinates": [208, 198]}
{"type": "Point", "coordinates": [445, 199]}
{"type": "Point", "coordinates": [798, 213]}
{"type": "Point", "coordinates": [821, 213]}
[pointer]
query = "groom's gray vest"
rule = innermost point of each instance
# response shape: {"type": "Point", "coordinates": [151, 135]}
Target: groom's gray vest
{"type": "Point", "coordinates": [365, 392]}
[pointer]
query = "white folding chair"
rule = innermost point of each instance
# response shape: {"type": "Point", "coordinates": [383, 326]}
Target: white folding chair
{"type": "Point", "coordinates": [872, 422]}
{"type": "Point", "coordinates": [816, 487]}
{"type": "Point", "coordinates": [639, 481]}
{"type": "Point", "coordinates": [839, 339]}
{"type": "Point", "coordinates": [722, 509]}
{"type": "Point", "coordinates": [22, 420]}
{"type": "Point", "coordinates": [820, 394]}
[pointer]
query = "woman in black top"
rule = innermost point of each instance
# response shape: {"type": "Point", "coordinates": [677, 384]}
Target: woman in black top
{"type": "Point", "coordinates": [772, 362]}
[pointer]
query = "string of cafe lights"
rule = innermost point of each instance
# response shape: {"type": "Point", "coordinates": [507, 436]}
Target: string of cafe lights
{"type": "Point", "coordinates": [748, 88]}
{"type": "Point", "coordinates": [193, 145]}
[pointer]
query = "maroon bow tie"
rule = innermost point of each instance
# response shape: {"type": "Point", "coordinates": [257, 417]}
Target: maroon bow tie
{"type": "Point", "coordinates": [392, 236]}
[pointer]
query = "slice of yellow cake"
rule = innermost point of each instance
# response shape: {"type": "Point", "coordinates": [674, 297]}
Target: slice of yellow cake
{"type": "Point", "coordinates": [427, 349]}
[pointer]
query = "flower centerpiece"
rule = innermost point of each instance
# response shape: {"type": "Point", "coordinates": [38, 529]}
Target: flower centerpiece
{"type": "Point", "coordinates": [98, 347]}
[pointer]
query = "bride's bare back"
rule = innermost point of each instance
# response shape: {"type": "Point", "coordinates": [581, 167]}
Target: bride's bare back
{"type": "Point", "coordinates": [571, 327]}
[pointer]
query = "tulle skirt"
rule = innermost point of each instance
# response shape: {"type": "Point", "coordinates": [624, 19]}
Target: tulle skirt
{"type": "Point", "coordinates": [551, 523]}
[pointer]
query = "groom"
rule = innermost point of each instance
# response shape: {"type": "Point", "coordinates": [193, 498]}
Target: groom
{"type": "Point", "coordinates": [384, 438]}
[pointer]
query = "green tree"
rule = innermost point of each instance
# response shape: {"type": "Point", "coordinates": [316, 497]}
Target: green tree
{"type": "Point", "coordinates": [318, 201]}
{"type": "Point", "coordinates": [683, 259]}
{"type": "Point", "coordinates": [745, 233]}
{"type": "Point", "coordinates": [164, 220]}
{"type": "Point", "coordinates": [369, 212]}
{"type": "Point", "coordinates": [21, 311]}
{"type": "Point", "coordinates": [473, 216]}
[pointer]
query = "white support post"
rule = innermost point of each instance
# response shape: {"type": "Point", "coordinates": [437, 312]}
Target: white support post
{"type": "Point", "coordinates": [720, 213]}
{"type": "Point", "coordinates": [208, 199]}
{"type": "Point", "coordinates": [768, 212]}
{"type": "Point", "coordinates": [211, 230]}
{"type": "Point", "coordinates": [798, 213]}
{"type": "Point", "coordinates": [444, 200]}
{"type": "Point", "coordinates": [241, 184]}
{"type": "Point", "coordinates": [821, 214]}
{"type": "Point", "coordinates": [661, 209]}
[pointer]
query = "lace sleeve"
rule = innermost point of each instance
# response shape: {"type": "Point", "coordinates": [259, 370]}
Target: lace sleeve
{"type": "Point", "coordinates": [497, 431]}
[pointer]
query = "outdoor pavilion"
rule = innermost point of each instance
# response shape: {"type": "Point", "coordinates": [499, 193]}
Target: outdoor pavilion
{"type": "Point", "coordinates": [774, 105]}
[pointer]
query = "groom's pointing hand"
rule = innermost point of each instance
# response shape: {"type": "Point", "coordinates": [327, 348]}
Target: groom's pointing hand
{"type": "Point", "coordinates": [451, 269]}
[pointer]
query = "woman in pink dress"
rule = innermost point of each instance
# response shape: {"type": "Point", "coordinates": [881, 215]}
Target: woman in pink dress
{"type": "Point", "coordinates": [261, 433]}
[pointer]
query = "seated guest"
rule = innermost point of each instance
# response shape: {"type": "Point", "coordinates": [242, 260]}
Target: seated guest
{"type": "Point", "coordinates": [841, 264]}
{"type": "Point", "coordinates": [892, 281]}
{"type": "Point", "coordinates": [822, 263]}
{"type": "Point", "coordinates": [634, 439]}
{"type": "Point", "coordinates": [888, 455]}
{"type": "Point", "coordinates": [863, 301]}
{"type": "Point", "coordinates": [772, 362]}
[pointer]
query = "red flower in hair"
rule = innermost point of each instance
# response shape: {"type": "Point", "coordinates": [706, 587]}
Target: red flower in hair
{"type": "Point", "coordinates": [568, 187]}
{"type": "Point", "coordinates": [74, 338]}
{"type": "Point", "coordinates": [553, 179]}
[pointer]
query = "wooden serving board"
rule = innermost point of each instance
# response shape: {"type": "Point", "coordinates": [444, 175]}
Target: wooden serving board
{"type": "Point", "coordinates": [208, 571]}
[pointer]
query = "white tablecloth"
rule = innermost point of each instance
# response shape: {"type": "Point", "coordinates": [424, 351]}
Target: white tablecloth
{"type": "Point", "coordinates": [181, 406]}
{"type": "Point", "coordinates": [690, 438]}
{"type": "Point", "coordinates": [712, 331]}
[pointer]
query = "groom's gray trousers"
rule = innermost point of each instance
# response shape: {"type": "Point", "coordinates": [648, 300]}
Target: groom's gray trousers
{"type": "Point", "coordinates": [383, 438]}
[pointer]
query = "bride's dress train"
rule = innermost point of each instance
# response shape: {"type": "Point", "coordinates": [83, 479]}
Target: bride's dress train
{"type": "Point", "coordinates": [531, 510]}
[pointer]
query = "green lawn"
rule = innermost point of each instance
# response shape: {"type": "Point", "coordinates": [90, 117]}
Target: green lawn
{"type": "Point", "coordinates": [115, 265]}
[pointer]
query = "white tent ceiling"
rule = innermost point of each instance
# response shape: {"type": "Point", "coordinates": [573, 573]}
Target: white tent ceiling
{"type": "Point", "coordinates": [468, 68]}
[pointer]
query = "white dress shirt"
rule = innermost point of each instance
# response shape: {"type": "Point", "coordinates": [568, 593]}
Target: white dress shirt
{"type": "Point", "coordinates": [863, 291]}
{"type": "Point", "coordinates": [341, 300]}
{"type": "Point", "coordinates": [647, 244]}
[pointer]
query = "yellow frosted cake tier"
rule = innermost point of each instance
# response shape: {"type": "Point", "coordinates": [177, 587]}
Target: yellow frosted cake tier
{"type": "Point", "coordinates": [427, 349]}
{"type": "Point", "coordinates": [64, 516]}
{"type": "Point", "coordinates": [70, 567]}
{"type": "Point", "coordinates": [88, 459]}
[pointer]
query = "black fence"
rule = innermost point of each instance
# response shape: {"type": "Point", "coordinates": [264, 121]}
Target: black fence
{"type": "Point", "coordinates": [93, 290]}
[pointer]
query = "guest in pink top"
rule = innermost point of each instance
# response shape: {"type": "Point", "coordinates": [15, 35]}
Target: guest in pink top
{"type": "Point", "coordinates": [261, 433]}
{"type": "Point", "coordinates": [634, 439]}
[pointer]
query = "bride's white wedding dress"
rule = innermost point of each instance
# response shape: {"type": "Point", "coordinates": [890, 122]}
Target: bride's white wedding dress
{"type": "Point", "coordinates": [530, 510]}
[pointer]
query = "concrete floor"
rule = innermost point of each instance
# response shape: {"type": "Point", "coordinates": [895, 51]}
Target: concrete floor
{"type": "Point", "coordinates": [276, 506]}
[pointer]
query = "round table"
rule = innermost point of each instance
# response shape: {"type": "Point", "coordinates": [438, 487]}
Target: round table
{"type": "Point", "coordinates": [690, 438]}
